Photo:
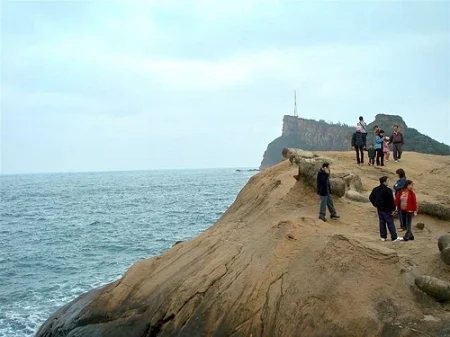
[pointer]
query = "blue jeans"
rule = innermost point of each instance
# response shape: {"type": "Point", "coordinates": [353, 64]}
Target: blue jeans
{"type": "Point", "coordinates": [386, 219]}
{"type": "Point", "coordinates": [326, 201]}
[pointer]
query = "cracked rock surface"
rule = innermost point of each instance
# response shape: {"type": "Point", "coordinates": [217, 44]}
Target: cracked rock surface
{"type": "Point", "coordinates": [269, 268]}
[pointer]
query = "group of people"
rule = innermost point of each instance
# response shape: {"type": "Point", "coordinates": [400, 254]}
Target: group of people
{"type": "Point", "coordinates": [379, 150]}
{"type": "Point", "coordinates": [403, 203]}
{"type": "Point", "coordinates": [400, 201]}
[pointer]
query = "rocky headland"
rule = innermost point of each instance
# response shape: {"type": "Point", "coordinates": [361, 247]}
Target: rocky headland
{"type": "Point", "coordinates": [313, 135]}
{"type": "Point", "coordinates": [270, 267]}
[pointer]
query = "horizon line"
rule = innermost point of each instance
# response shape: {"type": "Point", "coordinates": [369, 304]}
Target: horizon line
{"type": "Point", "coordinates": [127, 170]}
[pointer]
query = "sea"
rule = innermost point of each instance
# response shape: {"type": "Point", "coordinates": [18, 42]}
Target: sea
{"type": "Point", "coordinates": [64, 234]}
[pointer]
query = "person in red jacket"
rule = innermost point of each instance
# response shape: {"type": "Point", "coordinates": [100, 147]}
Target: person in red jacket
{"type": "Point", "coordinates": [406, 202]}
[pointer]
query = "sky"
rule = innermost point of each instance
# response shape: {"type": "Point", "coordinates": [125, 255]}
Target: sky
{"type": "Point", "coordinates": [134, 85]}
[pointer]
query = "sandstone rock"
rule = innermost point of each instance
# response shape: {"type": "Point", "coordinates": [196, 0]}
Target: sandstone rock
{"type": "Point", "coordinates": [294, 155]}
{"type": "Point", "coordinates": [420, 225]}
{"type": "Point", "coordinates": [444, 241]}
{"type": "Point", "coordinates": [444, 248]}
{"type": "Point", "coordinates": [434, 287]}
{"type": "Point", "coordinates": [308, 169]}
{"type": "Point", "coordinates": [355, 196]}
{"type": "Point", "coordinates": [437, 210]}
{"type": "Point", "coordinates": [353, 182]}
{"type": "Point", "coordinates": [267, 268]}
{"type": "Point", "coordinates": [338, 187]}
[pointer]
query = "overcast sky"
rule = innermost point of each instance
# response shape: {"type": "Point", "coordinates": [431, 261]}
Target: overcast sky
{"type": "Point", "coordinates": [102, 85]}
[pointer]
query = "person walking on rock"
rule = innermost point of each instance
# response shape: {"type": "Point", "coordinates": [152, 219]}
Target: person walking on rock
{"type": "Point", "coordinates": [379, 140]}
{"type": "Point", "coordinates": [398, 186]}
{"type": "Point", "coordinates": [398, 140]}
{"type": "Point", "coordinates": [406, 201]}
{"type": "Point", "coordinates": [359, 145]}
{"type": "Point", "coordinates": [382, 198]}
{"type": "Point", "coordinates": [363, 127]}
{"type": "Point", "coordinates": [324, 191]}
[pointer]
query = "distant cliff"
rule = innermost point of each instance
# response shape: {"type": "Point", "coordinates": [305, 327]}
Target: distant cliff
{"type": "Point", "coordinates": [312, 135]}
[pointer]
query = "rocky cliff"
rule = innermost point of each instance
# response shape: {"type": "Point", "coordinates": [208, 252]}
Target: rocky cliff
{"type": "Point", "coordinates": [314, 135]}
{"type": "Point", "coordinates": [270, 268]}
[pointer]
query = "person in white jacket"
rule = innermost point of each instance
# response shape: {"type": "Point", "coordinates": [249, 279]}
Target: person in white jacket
{"type": "Point", "coordinates": [363, 126]}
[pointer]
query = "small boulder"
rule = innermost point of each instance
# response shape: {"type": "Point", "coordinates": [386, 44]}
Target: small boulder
{"type": "Point", "coordinates": [444, 242]}
{"type": "Point", "coordinates": [434, 287]}
{"type": "Point", "coordinates": [420, 225]}
{"type": "Point", "coordinates": [444, 248]}
{"type": "Point", "coordinates": [356, 196]}
{"type": "Point", "coordinates": [353, 181]}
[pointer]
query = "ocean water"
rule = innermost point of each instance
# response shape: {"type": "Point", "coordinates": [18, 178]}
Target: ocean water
{"type": "Point", "coordinates": [64, 234]}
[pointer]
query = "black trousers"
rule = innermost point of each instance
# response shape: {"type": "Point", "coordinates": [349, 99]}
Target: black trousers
{"type": "Point", "coordinates": [407, 220]}
{"type": "Point", "coordinates": [359, 155]}
{"type": "Point", "coordinates": [380, 157]}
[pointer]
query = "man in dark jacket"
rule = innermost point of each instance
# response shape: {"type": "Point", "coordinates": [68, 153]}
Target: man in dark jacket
{"type": "Point", "coordinates": [398, 141]}
{"type": "Point", "coordinates": [359, 145]}
{"type": "Point", "coordinates": [324, 191]}
{"type": "Point", "coordinates": [383, 199]}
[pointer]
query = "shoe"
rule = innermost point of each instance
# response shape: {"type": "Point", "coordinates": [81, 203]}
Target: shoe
{"type": "Point", "coordinates": [383, 239]}
{"type": "Point", "coordinates": [335, 216]}
{"type": "Point", "coordinates": [398, 239]}
{"type": "Point", "coordinates": [323, 218]}
{"type": "Point", "coordinates": [401, 229]}
{"type": "Point", "coordinates": [396, 161]}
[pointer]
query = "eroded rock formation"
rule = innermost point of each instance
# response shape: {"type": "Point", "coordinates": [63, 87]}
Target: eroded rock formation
{"type": "Point", "coordinates": [270, 268]}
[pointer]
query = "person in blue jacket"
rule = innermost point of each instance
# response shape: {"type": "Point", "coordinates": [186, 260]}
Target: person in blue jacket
{"type": "Point", "coordinates": [379, 142]}
{"type": "Point", "coordinates": [398, 186]}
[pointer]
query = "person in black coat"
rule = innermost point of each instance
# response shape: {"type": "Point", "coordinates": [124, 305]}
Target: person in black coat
{"type": "Point", "coordinates": [383, 199]}
{"type": "Point", "coordinates": [359, 145]}
{"type": "Point", "coordinates": [324, 191]}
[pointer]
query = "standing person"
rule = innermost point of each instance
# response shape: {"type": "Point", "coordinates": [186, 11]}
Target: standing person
{"type": "Point", "coordinates": [382, 198]}
{"type": "Point", "coordinates": [324, 190]}
{"type": "Point", "coordinates": [406, 201]}
{"type": "Point", "coordinates": [386, 149]}
{"type": "Point", "coordinates": [363, 127]}
{"type": "Point", "coordinates": [376, 130]}
{"type": "Point", "coordinates": [359, 144]}
{"type": "Point", "coordinates": [398, 186]}
{"type": "Point", "coordinates": [371, 152]}
{"type": "Point", "coordinates": [398, 140]}
{"type": "Point", "coordinates": [379, 139]}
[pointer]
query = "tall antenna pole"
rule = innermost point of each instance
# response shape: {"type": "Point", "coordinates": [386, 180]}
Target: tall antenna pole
{"type": "Point", "coordinates": [295, 104]}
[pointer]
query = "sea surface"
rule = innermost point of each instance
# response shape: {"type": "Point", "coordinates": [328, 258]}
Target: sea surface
{"type": "Point", "coordinates": [64, 234]}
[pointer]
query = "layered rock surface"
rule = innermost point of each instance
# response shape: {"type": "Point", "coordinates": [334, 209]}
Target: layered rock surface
{"type": "Point", "coordinates": [269, 267]}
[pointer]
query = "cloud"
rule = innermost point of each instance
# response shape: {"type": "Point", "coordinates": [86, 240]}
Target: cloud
{"type": "Point", "coordinates": [133, 77]}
